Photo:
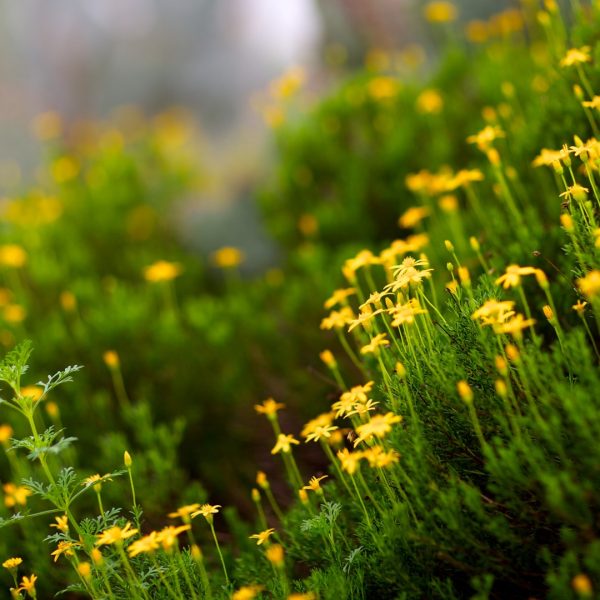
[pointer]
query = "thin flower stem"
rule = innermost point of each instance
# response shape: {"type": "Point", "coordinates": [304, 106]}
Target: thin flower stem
{"type": "Point", "coordinates": [212, 529]}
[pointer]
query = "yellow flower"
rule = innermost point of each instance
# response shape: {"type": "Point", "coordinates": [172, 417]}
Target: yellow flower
{"type": "Point", "coordinates": [575, 191]}
{"type": "Point", "coordinates": [115, 535]}
{"type": "Point", "coordinates": [322, 420]}
{"type": "Point", "coordinates": [227, 257]}
{"type": "Point", "coordinates": [275, 555]}
{"type": "Point", "coordinates": [448, 203]}
{"type": "Point", "coordinates": [440, 12]}
{"type": "Point", "coordinates": [378, 458]}
{"type": "Point", "coordinates": [145, 545]}
{"type": "Point", "coordinates": [247, 592]}
{"type": "Point", "coordinates": [14, 313]}
{"type": "Point", "coordinates": [328, 358]}
{"type": "Point", "coordinates": [406, 273]}
{"type": "Point", "coordinates": [261, 480]}
{"type": "Point", "coordinates": [184, 512]}
{"type": "Point", "coordinates": [321, 432]}
{"type": "Point", "coordinates": [383, 88]}
{"type": "Point", "coordinates": [348, 400]}
{"type": "Point", "coordinates": [28, 585]}
{"type": "Point", "coordinates": [486, 137]}
{"type": "Point", "coordinates": [162, 271]}
{"type": "Point", "coordinates": [12, 563]}
{"type": "Point", "coordinates": [579, 308]}
{"type": "Point", "coordinates": [111, 359]}
{"type": "Point", "coordinates": [12, 255]}
{"type": "Point", "coordinates": [302, 596]}
{"type": "Point", "coordinates": [349, 460]}
{"type": "Point", "coordinates": [548, 157]}
{"type": "Point", "coordinates": [379, 426]}
{"type": "Point", "coordinates": [263, 536]}
{"type": "Point", "coordinates": [582, 585]}
{"type": "Point", "coordinates": [284, 443]}
{"type": "Point", "coordinates": [288, 84]}
{"type": "Point", "coordinates": [269, 407]}
{"type": "Point", "coordinates": [314, 484]}
{"type": "Point", "coordinates": [493, 311]}
{"type": "Point", "coordinates": [514, 326]}
{"type": "Point", "coordinates": [413, 216]}
{"type": "Point", "coordinates": [576, 56]}
{"type": "Point", "coordinates": [512, 277]}
{"type": "Point", "coordinates": [430, 102]}
{"type": "Point", "coordinates": [406, 313]}
{"type": "Point", "coordinates": [6, 432]}
{"type": "Point", "coordinates": [207, 511]}
{"type": "Point", "coordinates": [338, 318]}
{"type": "Point", "coordinates": [167, 536]}
{"type": "Point", "coordinates": [364, 318]}
{"type": "Point", "coordinates": [464, 391]}
{"type": "Point", "coordinates": [464, 178]}
{"type": "Point", "coordinates": [590, 284]}
{"type": "Point", "coordinates": [66, 548]}
{"type": "Point", "coordinates": [593, 103]}
{"type": "Point", "coordinates": [339, 296]}
{"type": "Point", "coordinates": [68, 301]}
{"type": "Point", "coordinates": [373, 346]}
{"type": "Point", "coordinates": [15, 495]}
{"type": "Point", "coordinates": [62, 523]}
{"type": "Point", "coordinates": [84, 569]}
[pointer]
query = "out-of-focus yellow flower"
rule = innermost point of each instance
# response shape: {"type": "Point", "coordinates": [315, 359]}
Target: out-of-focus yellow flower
{"type": "Point", "coordinates": [440, 12]}
{"type": "Point", "coordinates": [512, 277]}
{"type": "Point", "coordinates": [227, 257]}
{"type": "Point", "coordinates": [308, 224]}
{"type": "Point", "coordinates": [582, 584]}
{"type": "Point", "coordinates": [349, 460]}
{"type": "Point", "coordinates": [288, 84]}
{"type": "Point", "coordinates": [12, 563]}
{"type": "Point", "coordinates": [62, 523]}
{"type": "Point", "coordinates": [337, 319]}
{"type": "Point", "coordinates": [430, 102]}
{"type": "Point", "coordinates": [514, 326]}
{"type": "Point", "coordinates": [167, 536]}
{"type": "Point", "coordinates": [593, 103]}
{"type": "Point", "coordinates": [269, 407]}
{"type": "Point", "coordinates": [576, 56]}
{"type": "Point", "coordinates": [485, 138]}
{"type": "Point", "coordinates": [13, 256]}
{"type": "Point", "coordinates": [383, 88]}
{"type": "Point", "coordinates": [64, 169]}
{"type": "Point", "coordinates": [84, 569]}
{"type": "Point", "coordinates": [448, 203]}
{"type": "Point", "coordinates": [313, 425]}
{"type": "Point", "coordinates": [590, 284]}
{"type": "Point", "coordinates": [275, 555]}
{"type": "Point", "coordinates": [302, 596]}
{"type": "Point", "coordinates": [111, 359]}
{"type": "Point", "coordinates": [464, 391]}
{"type": "Point", "coordinates": [328, 358]}
{"type": "Point", "coordinates": [247, 592]}
{"type": "Point", "coordinates": [378, 426]}
{"type": "Point", "coordinates": [339, 297]}
{"type": "Point", "coordinates": [6, 432]}
{"type": "Point", "coordinates": [14, 313]}
{"type": "Point", "coordinates": [373, 346]}
{"type": "Point", "coordinates": [413, 216]}
{"type": "Point", "coordinates": [15, 495]}
{"type": "Point", "coordinates": [284, 443]}
{"type": "Point", "coordinates": [207, 511]}
{"type": "Point", "coordinates": [184, 512]}
{"type": "Point", "coordinates": [162, 271]}
{"type": "Point", "coordinates": [477, 31]}
{"type": "Point", "coordinates": [68, 301]}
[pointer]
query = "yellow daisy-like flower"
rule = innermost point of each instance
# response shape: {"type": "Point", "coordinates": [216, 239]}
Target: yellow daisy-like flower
{"type": "Point", "coordinates": [349, 460]}
{"type": "Point", "coordinates": [66, 548]}
{"type": "Point", "coordinates": [12, 563]}
{"type": "Point", "coordinates": [486, 137]}
{"type": "Point", "coordinates": [338, 318]}
{"type": "Point", "coordinates": [378, 458]}
{"type": "Point", "coordinates": [227, 257]}
{"type": "Point", "coordinates": [579, 307]}
{"type": "Point", "coordinates": [284, 443]}
{"type": "Point", "coordinates": [404, 314]}
{"type": "Point", "coordinates": [302, 596]}
{"type": "Point", "coordinates": [263, 536]}
{"type": "Point", "coordinates": [207, 511]}
{"type": "Point", "coordinates": [373, 346]}
{"type": "Point", "coordinates": [62, 523]}
{"type": "Point", "coordinates": [275, 554]}
{"type": "Point", "coordinates": [28, 585]}
{"type": "Point", "coordinates": [383, 88]}
{"type": "Point", "coordinates": [184, 512]}
{"type": "Point", "coordinates": [593, 103]}
{"type": "Point", "coordinates": [548, 158]}
{"type": "Point", "coordinates": [576, 56]}
{"type": "Point", "coordinates": [115, 535]}
{"type": "Point", "coordinates": [269, 407]}
{"type": "Point", "coordinates": [322, 420]}
{"type": "Point", "coordinates": [364, 318]}
{"type": "Point", "coordinates": [339, 296]}
{"type": "Point", "coordinates": [146, 545]}
{"type": "Point", "coordinates": [167, 536]}
{"type": "Point", "coordinates": [314, 484]}
{"type": "Point", "coordinates": [512, 277]}
{"type": "Point", "coordinates": [162, 271]}
{"type": "Point", "coordinates": [413, 216]}
{"type": "Point", "coordinates": [430, 102]}
{"type": "Point", "coordinates": [321, 432]}
{"type": "Point", "coordinates": [379, 426]}
{"type": "Point", "coordinates": [514, 326]}
{"type": "Point", "coordinates": [590, 284]}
